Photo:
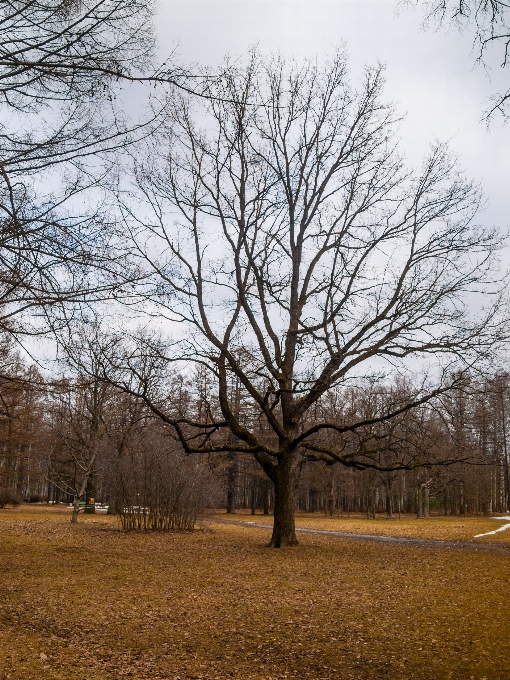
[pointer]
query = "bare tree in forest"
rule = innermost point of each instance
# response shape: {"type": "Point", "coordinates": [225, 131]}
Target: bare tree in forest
{"type": "Point", "coordinates": [78, 430]}
{"type": "Point", "coordinates": [22, 427]}
{"type": "Point", "coordinates": [84, 412]}
{"type": "Point", "coordinates": [283, 234]}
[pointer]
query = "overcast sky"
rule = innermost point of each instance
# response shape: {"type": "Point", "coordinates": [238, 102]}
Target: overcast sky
{"type": "Point", "coordinates": [431, 75]}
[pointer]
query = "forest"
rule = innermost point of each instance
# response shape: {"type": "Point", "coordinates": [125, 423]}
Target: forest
{"type": "Point", "coordinates": [75, 438]}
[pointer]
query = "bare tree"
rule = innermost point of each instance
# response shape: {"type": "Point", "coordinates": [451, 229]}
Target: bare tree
{"type": "Point", "coordinates": [63, 67]}
{"type": "Point", "coordinates": [82, 407]}
{"type": "Point", "coordinates": [298, 253]}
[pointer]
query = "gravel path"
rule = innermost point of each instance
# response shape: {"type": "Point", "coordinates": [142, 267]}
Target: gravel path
{"type": "Point", "coordinates": [417, 542]}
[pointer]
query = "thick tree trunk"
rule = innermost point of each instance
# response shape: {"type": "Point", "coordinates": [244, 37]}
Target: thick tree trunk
{"type": "Point", "coordinates": [267, 489]}
{"type": "Point", "coordinates": [284, 528]}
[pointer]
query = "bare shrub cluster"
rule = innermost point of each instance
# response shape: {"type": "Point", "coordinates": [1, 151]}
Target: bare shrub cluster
{"type": "Point", "coordinates": [9, 497]}
{"type": "Point", "coordinates": [163, 491]}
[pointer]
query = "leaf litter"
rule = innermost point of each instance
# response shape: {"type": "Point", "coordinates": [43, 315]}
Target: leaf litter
{"type": "Point", "coordinates": [90, 602]}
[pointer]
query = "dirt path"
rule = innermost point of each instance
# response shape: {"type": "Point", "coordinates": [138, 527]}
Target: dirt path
{"type": "Point", "coordinates": [417, 542]}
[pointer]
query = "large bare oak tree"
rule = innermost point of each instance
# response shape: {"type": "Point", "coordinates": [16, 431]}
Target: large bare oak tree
{"type": "Point", "coordinates": [293, 252]}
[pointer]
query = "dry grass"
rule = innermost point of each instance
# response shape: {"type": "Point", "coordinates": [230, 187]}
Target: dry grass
{"type": "Point", "coordinates": [439, 527]}
{"type": "Point", "coordinates": [88, 602]}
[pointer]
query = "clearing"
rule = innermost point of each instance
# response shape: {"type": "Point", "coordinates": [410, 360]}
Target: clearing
{"type": "Point", "coordinates": [436, 528]}
{"type": "Point", "coordinates": [89, 602]}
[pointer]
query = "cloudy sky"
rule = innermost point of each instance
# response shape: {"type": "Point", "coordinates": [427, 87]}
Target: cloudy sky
{"type": "Point", "coordinates": [430, 74]}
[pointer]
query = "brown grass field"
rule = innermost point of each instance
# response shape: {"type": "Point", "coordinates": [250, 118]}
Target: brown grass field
{"type": "Point", "coordinates": [89, 602]}
{"type": "Point", "coordinates": [442, 528]}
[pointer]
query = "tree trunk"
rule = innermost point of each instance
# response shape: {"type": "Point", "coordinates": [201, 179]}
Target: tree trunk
{"type": "Point", "coordinates": [267, 490]}
{"type": "Point", "coordinates": [507, 479]}
{"type": "Point", "coordinates": [505, 454]}
{"type": "Point", "coordinates": [253, 495]}
{"type": "Point", "coordinates": [90, 507]}
{"type": "Point", "coordinates": [426, 501]}
{"type": "Point", "coordinates": [81, 492]}
{"type": "Point", "coordinates": [284, 529]}
{"type": "Point", "coordinates": [389, 500]}
{"type": "Point", "coordinates": [232, 484]}
{"type": "Point", "coordinates": [462, 503]}
{"type": "Point", "coordinates": [419, 502]}
{"type": "Point", "coordinates": [76, 509]}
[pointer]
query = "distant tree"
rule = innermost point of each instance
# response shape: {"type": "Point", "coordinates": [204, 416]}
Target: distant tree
{"type": "Point", "coordinates": [81, 408]}
{"type": "Point", "coordinates": [22, 426]}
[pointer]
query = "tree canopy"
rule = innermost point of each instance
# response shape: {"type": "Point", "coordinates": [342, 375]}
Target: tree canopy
{"type": "Point", "coordinates": [282, 231]}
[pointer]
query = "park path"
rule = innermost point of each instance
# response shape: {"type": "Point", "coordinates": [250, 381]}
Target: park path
{"type": "Point", "coordinates": [434, 543]}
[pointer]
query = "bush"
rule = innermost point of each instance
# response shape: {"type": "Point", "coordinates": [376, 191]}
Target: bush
{"type": "Point", "coordinates": [163, 491]}
{"type": "Point", "coordinates": [9, 497]}
{"type": "Point", "coordinates": [35, 497]}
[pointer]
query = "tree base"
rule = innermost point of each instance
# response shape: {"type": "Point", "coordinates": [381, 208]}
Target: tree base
{"type": "Point", "coordinates": [280, 542]}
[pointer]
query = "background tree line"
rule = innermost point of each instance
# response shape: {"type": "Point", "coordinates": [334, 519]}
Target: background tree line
{"type": "Point", "coordinates": [67, 439]}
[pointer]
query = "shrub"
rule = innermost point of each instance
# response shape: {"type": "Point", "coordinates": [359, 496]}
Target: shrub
{"type": "Point", "coordinates": [9, 497]}
{"type": "Point", "coordinates": [35, 497]}
{"type": "Point", "coordinates": [163, 491]}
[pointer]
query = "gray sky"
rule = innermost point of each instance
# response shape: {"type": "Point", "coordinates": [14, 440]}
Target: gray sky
{"type": "Point", "coordinates": [429, 74]}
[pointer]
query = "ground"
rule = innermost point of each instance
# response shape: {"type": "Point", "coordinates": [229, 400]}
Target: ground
{"type": "Point", "coordinates": [89, 602]}
{"type": "Point", "coordinates": [438, 527]}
